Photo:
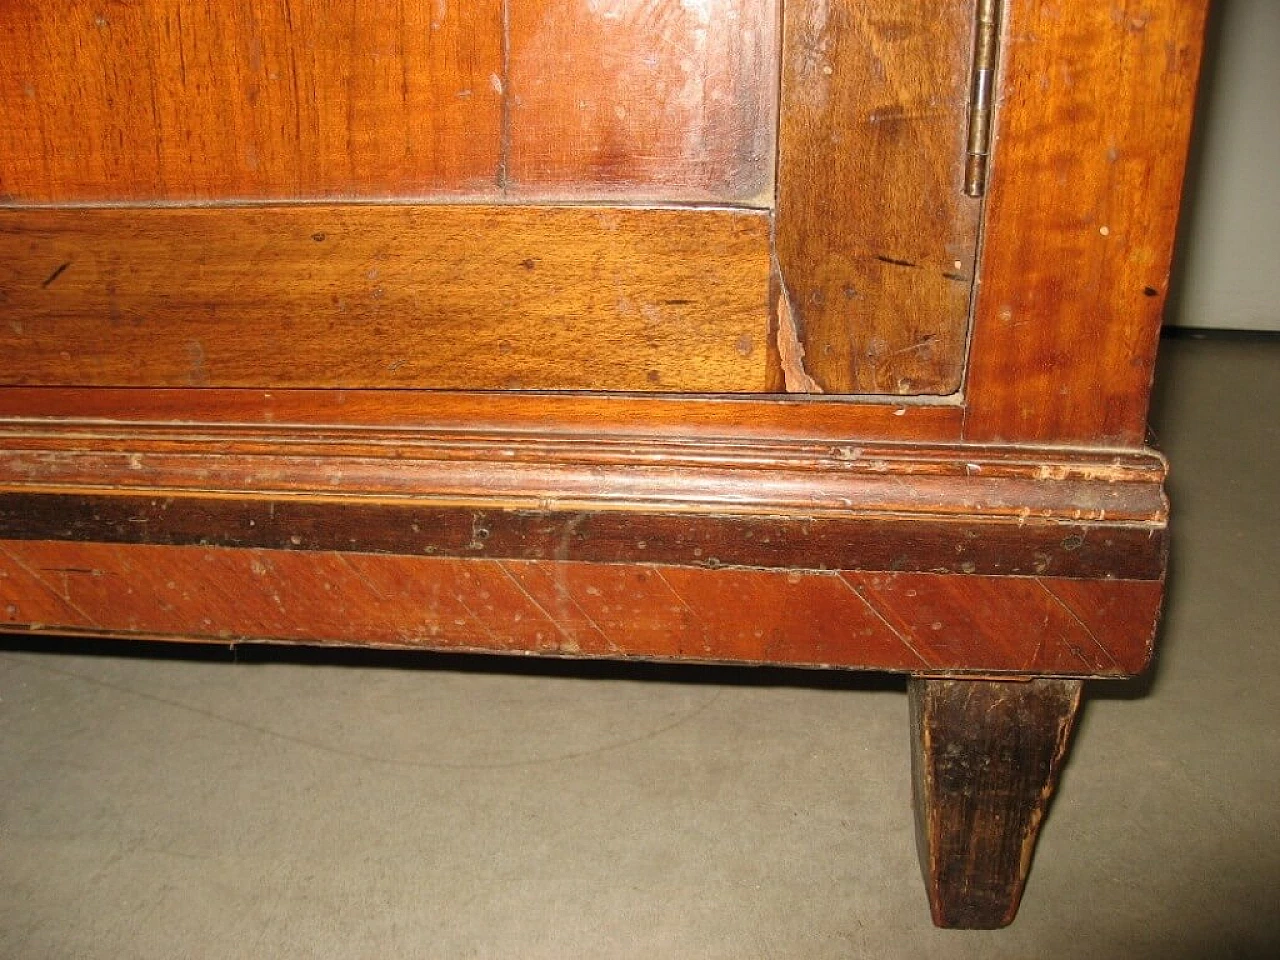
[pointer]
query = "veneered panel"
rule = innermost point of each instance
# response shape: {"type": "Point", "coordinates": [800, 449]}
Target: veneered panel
{"type": "Point", "coordinates": [467, 297]}
{"type": "Point", "coordinates": [1094, 121]}
{"type": "Point", "coordinates": [801, 617]}
{"type": "Point", "coordinates": [946, 619]}
{"type": "Point", "coordinates": [176, 100]}
{"type": "Point", "coordinates": [665, 99]}
{"type": "Point", "coordinates": [875, 237]}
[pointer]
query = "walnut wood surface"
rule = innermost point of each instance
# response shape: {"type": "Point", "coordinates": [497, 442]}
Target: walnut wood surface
{"type": "Point", "coordinates": [508, 297]}
{"type": "Point", "coordinates": [157, 100]}
{"type": "Point", "coordinates": [568, 472]}
{"type": "Point", "coordinates": [1093, 123]}
{"type": "Point", "coordinates": [710, 503]}
{"type": "Point", "coordinates": [964, 545]}
{"type": "Point", "coordinates": [663, 99]}
{"type": "Point", "coordinates": [208, 427]}
{"type": "Point", "coordinates": [850, 619]}
{"type": "Point", "coordinates": [655, 416]}
{"type": "Point", "coordinates": [985, 760]}
{"type": "Point", "coordinates": [429, 508]}
{"type": "Point", "coordinates": [875, 237]}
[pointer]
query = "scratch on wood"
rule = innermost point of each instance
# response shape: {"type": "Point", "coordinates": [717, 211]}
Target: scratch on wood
{"type": "Point", "coordinates": [702, 624]}
{"type": "Point", "coordinates": [791, 351]}
{"type": "Point", "coordinates": [48, 281]}
{"type": "Point", "coordinates": [360, 575]}
{"type": "Point", "coordinates": [896, 262]}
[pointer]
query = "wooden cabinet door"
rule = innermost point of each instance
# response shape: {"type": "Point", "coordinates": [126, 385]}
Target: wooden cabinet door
{"type": "Point", "coordinates": [639, 196]}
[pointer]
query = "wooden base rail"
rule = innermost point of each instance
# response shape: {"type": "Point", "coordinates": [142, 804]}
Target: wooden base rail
{"type": "Point", "coordinates": [857, 619]}
{"type": "Point", "coordinates": [958, 565]}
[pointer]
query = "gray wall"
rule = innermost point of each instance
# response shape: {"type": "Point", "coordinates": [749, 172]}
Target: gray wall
{"type": "Point", "coordinates": [1230, 250]}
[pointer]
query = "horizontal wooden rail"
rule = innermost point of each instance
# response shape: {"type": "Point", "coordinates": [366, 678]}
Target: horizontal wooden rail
{"type": "Point", "coordinates": [668, 300]}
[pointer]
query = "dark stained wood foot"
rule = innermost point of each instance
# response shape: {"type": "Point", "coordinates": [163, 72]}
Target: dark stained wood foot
{"type": "Point", "coordinates": [985, 758]}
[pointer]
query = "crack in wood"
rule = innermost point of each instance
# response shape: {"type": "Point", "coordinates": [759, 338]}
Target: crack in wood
{"type": "Point", "coordinates": [791, 350]}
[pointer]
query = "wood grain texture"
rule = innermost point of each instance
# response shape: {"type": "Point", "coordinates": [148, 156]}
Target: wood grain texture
{"type": "Point", "coordinates": [1093, 124]}
{"type": "Point", "coordinates": [985, 761]}
{"type": "Point", "coordinates": [157, 100]}
{"type": "Point", "coordinates": [315, 99]}
{"type": "Point", "coordinates": [481, 297]}
{"type": "Point", "coordinates": [753, 551]}
{"type": "Point", "coordinates": [567, 472]}
{"type": "Point", "coordinates": [875, 239]}
{"type": "Point", "coordinates": [964, 545]}
{"type": "Point", "coordinates": [653, 99]}
{"type": "Point", "coordinates": [614, 415]}
{"type": "Point", "coordinates": [553, 607]}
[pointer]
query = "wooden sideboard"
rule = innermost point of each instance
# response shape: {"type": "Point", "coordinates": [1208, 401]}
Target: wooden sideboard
{"type": "Point", "coordinates": [809, 332]}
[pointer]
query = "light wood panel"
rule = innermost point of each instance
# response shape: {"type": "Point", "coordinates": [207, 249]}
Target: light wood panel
{"type": "Point", "coordinates": [1094, 120]}
{"type": "Point", "coordinates": [179, 100]}
{"type": "Point", "coordinates": [665, 99]}
{"type": "Point", "coordinates": [875, 237]}
{"type": "Point", "coordinates": [508, 298]}
{"type": "Point", "coordinates": [313, 99]}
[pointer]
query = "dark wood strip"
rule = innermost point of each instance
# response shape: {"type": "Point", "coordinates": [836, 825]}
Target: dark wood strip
{"type": "Point", "coordinates": [775, 504]}
{"type": "Point", "coordinates": [965, 546]}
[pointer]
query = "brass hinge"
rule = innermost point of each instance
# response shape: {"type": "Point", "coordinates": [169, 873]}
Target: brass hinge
{"type": "Point", "coordinates": [986, 43]}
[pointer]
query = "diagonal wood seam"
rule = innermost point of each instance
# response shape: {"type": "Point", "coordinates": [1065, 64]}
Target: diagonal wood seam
{"type": "Point", "coordinates": [35, 575]}
{"type": "Point", "coordinates": [562, 627]}
{"type": "Point", "coordinates": [881, 617]}
{"type": "Point", "coordinates": [1083, 626]}
{"type": "Point", "coordinates": [702, 624]}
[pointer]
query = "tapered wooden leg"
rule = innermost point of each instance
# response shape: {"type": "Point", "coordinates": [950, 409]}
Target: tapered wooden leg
{"type": "Point", "coordinates": [985, 758]}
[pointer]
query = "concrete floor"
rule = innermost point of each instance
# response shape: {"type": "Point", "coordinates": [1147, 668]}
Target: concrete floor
{"type": "Point", "coordinates": [169, 802]}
